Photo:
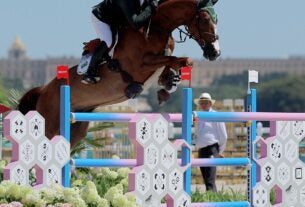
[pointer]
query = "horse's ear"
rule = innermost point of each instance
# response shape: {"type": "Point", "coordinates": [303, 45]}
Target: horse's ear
{"type": "Point", "coordinates": [202, 3]}
{"type": "Point", "coordinates": [214, 1]}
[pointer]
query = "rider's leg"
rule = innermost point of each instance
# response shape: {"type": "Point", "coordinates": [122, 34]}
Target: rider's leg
{"type": "Point", "coordinates": [101, 52]}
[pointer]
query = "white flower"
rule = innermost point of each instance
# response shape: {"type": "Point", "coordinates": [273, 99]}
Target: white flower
{"type": "Point", "coordinates": [89, 193]}
{"type": "Point", "coordinates": [33, 198]}
{"type": "Point", "coordinates": [14, 192]}
{"type": "Point", "coordinates": [77, 183]}
{"type": "Point", "coordinates": [103, 203]}
{"type": "Point", "coordinates": [123, 172]}
{"type": "Point", "coordinates": [113, 175]}
{"type": "Point", "coordinates": [116, 157]}
{"type": "Point", "coordinates": [15, 204]}
{"type": "Point", "coordinates": [119, 200]}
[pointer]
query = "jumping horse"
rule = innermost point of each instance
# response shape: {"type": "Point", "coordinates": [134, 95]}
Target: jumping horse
{"type": "Point", "coordinates": [139, 56]}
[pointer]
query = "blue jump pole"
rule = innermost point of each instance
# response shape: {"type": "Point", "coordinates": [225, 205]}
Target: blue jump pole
{"type": "Point", "coordinates": [205, 162]}
{"type": "Point", "coordinates": [187, 121]}
{"type": "Point", "coordinates": [65, 127]}
{"type": "Point", "coordinates": [251, 150]}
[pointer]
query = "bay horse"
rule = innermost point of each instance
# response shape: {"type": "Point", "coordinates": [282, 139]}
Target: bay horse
{"type": "Point", "coordinates": [138, 55]}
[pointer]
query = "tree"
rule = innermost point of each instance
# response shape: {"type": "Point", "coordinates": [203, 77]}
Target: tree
{"type": "Point", "coordinates": [3, 93]}
{"type": "Point", "coordinates": [282, 95]}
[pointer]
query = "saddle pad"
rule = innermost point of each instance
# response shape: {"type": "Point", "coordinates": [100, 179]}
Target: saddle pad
{"type": "Point", "coordinates": [84, 64]}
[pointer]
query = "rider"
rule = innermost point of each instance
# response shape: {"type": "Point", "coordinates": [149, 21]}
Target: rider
{"type": "Point", "coordinates": [109, 15]}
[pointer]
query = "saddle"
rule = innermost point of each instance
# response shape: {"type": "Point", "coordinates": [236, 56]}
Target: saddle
{"type": "Point", "coordinates": [132, 90]}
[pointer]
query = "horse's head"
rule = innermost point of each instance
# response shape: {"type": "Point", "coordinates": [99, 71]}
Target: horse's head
{"type": "Point", "coordinates": [203, 29]}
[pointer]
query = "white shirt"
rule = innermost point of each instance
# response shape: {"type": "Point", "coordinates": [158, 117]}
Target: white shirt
{"type": "Point", "coordinates": [208, 133]}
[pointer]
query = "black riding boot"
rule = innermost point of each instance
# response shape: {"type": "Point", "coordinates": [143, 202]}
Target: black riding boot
{"type": "Point", "coordinates": [92, 75]}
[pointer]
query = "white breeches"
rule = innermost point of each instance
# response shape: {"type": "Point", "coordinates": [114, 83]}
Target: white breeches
{"type": "Point", "coordinates": [102, 30]}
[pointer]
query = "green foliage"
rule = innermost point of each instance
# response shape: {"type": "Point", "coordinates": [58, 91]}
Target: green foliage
{"type": "Point", "coordinates": [276, 92]}
{"type": "Point", "coordinates": [3, 94]}
{"type": "Point", "coordinates": [174, 105]}
{"type": "Point", "coordinates": [101, 187]}
{"type": "Point", "coordinates": [282, 95]}
{"type": "Point", "coordinates": [13, 98]}
{"type": "Point", "coordinates": [221, 196]}
{"type": "Point", "coordinates": [15, 83]}
{"type": "Point", "coordinates": [3, 163]}
{"type": "Point", "coordinates": [88, 142]}
{"type": "Point", "coordinates": [101, 126]}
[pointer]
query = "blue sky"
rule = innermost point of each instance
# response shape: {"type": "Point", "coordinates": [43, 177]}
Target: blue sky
{"type": "Point", "coordinates": [247, 28]}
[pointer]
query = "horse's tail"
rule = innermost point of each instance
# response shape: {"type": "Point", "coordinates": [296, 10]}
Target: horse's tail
{"type": "Point", "coordinates": [29, 100]}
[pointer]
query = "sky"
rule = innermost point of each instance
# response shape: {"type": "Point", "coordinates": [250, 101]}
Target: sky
{"type": "Point", "coordinates": [247, 28]}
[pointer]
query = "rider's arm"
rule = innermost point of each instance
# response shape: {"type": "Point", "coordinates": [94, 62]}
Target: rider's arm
{"type": "Point", "coordinates": [136, 21]}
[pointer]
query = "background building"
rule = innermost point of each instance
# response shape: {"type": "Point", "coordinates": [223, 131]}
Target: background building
{"type": "Point", "coordinates": [33, 72]}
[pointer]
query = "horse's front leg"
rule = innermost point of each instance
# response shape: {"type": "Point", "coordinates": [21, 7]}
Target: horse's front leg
{"type": "Point", "coordinates": [153, 62]}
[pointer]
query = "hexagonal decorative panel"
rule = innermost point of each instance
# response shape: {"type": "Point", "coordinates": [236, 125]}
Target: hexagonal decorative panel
{"type": "Point", "coordinates": [141, 178]}
{"type": "Point", "coordinates": [17, 172]}
{"type": "Point", "coordinates": [52, 174]}
{"type": "Point", "coordinates": [282, 167]}
{"type": "Point", "coordinates": [32, 149]}
{"type": "Point", "coordinates": [140, 130]}
{"type": "Point", "coordinates": [61, 150]}
{"type": "Point", "coordinates": [268, 173]}
{"type": "Point", "coordinates": [44, 151]}
{"type": "Point", "coordinates": [160, 130]}
{"type": "Point", "coordinates": [302, 195]}
{"type": "Point", "coordinates": [159, 174]}
{"type": "Point", "coordinates": [290, 196]}
{"type": "Point", "coordinates": [27, 152]}
{"type": "Point", "coordinates": [151, 156]}
{"type": "Point", "coordinates": [291, 151]}
{"type": "Point", "coordinates": [260, 196]}
{"type": "Point", "coordinates": [298, 173]}
{"type": "Point", "coordinates": [14, 127]}
{"type": "Point", "coordinates": [182, 200]}
{"type": "Point", "coordinates": [298, 128]}
{"type": "Point", "coordinates": [36, 125]}
{"type": "Point", "coordinates": [283, 129]}
{"type": "Point", "coordinates": [283, 174]}
{"type": "Point", "coordinates": [168, 156]}
{"type": "Point", "coordinates": [159, 182]}
{"type": "Point", "coordinates": [175, 181]}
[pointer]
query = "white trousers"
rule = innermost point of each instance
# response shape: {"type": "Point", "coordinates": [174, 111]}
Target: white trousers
{"type": "Point", "coordinates": [102, 30]}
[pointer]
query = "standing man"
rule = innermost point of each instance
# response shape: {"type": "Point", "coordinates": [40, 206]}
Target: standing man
{"type": "Point", "coordinates": [211, 138]}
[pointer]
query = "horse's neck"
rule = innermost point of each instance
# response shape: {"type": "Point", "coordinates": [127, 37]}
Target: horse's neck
{"type": "Point", "coordinates": [174, 13]}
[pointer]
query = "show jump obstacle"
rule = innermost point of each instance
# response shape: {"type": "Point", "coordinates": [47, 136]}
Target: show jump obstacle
{"type": "Point", "coordinates": [157, 172]}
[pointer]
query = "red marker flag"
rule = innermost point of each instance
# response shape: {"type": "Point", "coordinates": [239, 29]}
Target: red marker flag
{"type": "Point", "coordinates": [186, 74]}
{"type": "Point", "coordinates": [4, 109]}
{"type": "Point", "coordinates": [63, 72]}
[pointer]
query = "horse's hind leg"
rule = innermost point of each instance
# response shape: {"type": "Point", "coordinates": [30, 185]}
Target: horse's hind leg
{"type": "Point", "coordinates": [78, 132]}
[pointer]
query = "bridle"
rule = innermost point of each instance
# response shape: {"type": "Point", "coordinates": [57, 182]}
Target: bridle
{"type": "Point", "coordinates": [199, 38]}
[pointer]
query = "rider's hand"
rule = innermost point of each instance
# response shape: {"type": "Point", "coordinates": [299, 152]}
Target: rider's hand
{"type": "Point", "coordinates": [154, 4]}
{"type": "Point", "coordinates": [220, 156]}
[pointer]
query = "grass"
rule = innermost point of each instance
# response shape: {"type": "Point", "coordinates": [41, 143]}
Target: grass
{"type": "Point", "coordinates": [220, 196]}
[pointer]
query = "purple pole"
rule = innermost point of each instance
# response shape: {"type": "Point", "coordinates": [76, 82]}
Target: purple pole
{"type": "Point", "coordinates": [249, 116]}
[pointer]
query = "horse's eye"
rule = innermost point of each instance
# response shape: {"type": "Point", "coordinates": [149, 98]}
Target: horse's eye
{"type": "Point", "coordinates": [206, 20]}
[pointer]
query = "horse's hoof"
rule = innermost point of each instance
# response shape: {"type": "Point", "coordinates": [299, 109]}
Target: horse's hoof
{"type": "Point", "coordinates": [163, 96]}
{"type": "Point", "coordinates": [133, 90]}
